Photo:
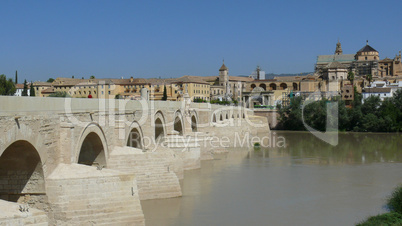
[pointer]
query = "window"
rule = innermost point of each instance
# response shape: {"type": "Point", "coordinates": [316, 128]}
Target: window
{"type": "Point", "coordinates": [102, 92]}
{"type": "Point", "coordinates": [109, 92]}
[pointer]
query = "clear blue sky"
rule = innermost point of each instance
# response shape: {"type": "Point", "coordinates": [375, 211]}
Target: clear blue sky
{"type": "Point", "coordinates": [111, 39]}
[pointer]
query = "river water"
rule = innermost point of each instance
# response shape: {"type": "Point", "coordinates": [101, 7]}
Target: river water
{"type": "Point", "coordinates": [308, 182]}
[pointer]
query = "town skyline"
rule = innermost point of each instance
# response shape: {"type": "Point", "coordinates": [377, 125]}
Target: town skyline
{"type": "Point", "coordinates": [157, 39]}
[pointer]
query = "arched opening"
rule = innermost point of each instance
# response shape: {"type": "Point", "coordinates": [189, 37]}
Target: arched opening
{"type": "Point", "coordinates": [294, 86]}
{"type": "Point", "coordinates": [233, 115]}
{"type": "Point", "coordinates": [272, 86]}
{"type": "Point", "coordinates": [177, 126]}
{"type": "Point", "coordinates": [227, 116]}
{"type": "Point", "coordinates": [134, 139]}
{"type": "Point", "coordinates": [193, 123]}
{"type": "Point", "coordinates": [283, 86]}
{"type": "Point", "coordinates": [21, 175]}
{"type": "Point", "coordinates": [252, 86]}
{"type": "Point", "coordinates": [221, 118]}
{"type": "Point", "coordinates": [262, 85]}
{"type": "Point", "coordinates": [214, 118]}
{"type": "Point", "coordinates": [92, 151]}
{"type": "Point", "coordinates": [244, 116]}
{"type": "Point", "coordinates": [159, 130]}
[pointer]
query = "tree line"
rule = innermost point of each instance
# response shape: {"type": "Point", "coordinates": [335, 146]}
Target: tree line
{"type": "Point", "coordinates": [8, 88]}
{"type": "Point", "coordinates": [372, 115]}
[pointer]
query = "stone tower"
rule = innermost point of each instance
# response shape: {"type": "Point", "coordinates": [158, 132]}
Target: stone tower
{"type": "Point", "coordinates": [224, 76]}
{"type": "Point", "coordinates": [338, 50]}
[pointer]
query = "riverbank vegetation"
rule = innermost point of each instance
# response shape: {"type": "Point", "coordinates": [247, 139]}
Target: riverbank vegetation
{"type": "Point", "coordinates": [7, 86]}
{"type": "Point", "coordinates": [370, 116]}
{"type": "Point", "coordinates": [394, 217]}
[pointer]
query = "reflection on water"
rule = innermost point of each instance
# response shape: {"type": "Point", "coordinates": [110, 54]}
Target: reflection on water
{"type": "Point", "coordinates": [307, 183]}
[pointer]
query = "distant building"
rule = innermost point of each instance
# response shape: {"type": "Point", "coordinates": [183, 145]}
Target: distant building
{"type": "Point", "coordinates": [225, 86]}
{"type": "Point", "coordinates": [382, 89]}
{"type": "Point", "coordinates": [324, 60]}
{"type": "Point", "coordinates": [390, 67]}
{"type": "Point", "coordinates": [19, 88]}
{"type": "Point", "coordinates": [347, 93]}
{"type": "Point", "coordinates": [366, 61]}
{"type": "Point", "coordinates": [258, 74]}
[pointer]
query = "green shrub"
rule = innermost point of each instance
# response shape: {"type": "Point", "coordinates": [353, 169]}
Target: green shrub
{"type": "Point", "coordinates": [395, 201]}
{"type": "Point", "coordinates": [392, 218]}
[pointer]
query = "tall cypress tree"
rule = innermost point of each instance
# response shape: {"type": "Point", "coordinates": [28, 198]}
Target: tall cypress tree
{"type": "Point", "coordinates": [25, 90]}
{"type": "Point", "coordinates": [31, 90]}
{"type": "Point", "coordinates": [16, 77]}
{"type": "Point", "coordinates": [164, 97]}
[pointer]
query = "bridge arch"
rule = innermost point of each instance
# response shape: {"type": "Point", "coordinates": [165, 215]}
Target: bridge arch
{"type": "Point", "coordinates": [159, 124]}
{"type": "Point", "coordinates": [283, 86]}
{"type": "Point", "coordinates": [135, 137]}
{"type": "Point", "coordinates": [178, 124]}
{"type": "Point", "coordinates": [21, 160]}
{"type": "Point", "coordinates": [23, 132]}
{"type": "Point", "coordinates": [194, 121]}
{"type": "Point", "coordinates": [272, 86]}
{"type": "Point", "coordinates": [294, 86]}
{"type": "Point", "coordinates": [263, 86]}
{"type": "Point", "coordinates": [92, 148]}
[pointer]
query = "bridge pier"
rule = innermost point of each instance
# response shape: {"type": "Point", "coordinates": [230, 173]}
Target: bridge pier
{"type": "Point", "coordinates": [154, 171]}
{"type": "Point", "coordinates": [83, 195]}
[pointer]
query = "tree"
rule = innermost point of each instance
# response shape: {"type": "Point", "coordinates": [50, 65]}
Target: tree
{"type": "Point", "coordinates": [50, 80]}
{"type": "Point", "coordinates": [16, 77]}
{"type": "Point", "coordinates": [369, 78]}
{"type": "Point", "coordinates": [25, 90]}
{"type": "Point", "coordinates": [92, 77]}
{"type": "Point", "coordinates": [164, 97]}
{"type": "Point", "coordinates": [7, 87]}
{"type": "Point", "coordinates": [72, 76]}
{"type": "Point", "coordinates": [351, 77]}
{"type": "Point", "coordinates": [59, 94]}
{"type": "Point", "coordinates": [32, 90]}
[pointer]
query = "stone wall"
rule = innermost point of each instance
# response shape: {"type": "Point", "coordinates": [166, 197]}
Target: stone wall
{"type": "Point", "coordinates": [84, 195]}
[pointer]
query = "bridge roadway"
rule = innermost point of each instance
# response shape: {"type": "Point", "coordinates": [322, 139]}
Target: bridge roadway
{"type": "Point", "coordinates": [90, 161]}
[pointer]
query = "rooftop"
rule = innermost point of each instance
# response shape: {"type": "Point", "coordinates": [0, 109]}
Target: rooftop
{"type": "Point", "coordinates": [344, 58]}
{"type": "Point", "coordinates": [367, 48]}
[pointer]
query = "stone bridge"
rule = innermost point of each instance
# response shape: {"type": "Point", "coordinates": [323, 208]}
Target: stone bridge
{"type": "Point", "coordinates": [90, 161]}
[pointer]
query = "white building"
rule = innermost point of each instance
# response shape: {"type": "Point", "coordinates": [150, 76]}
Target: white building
{"type": "Point", "coordinates": [19, 89]}
{"type": "Point", "coordinates": [382, 89]}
